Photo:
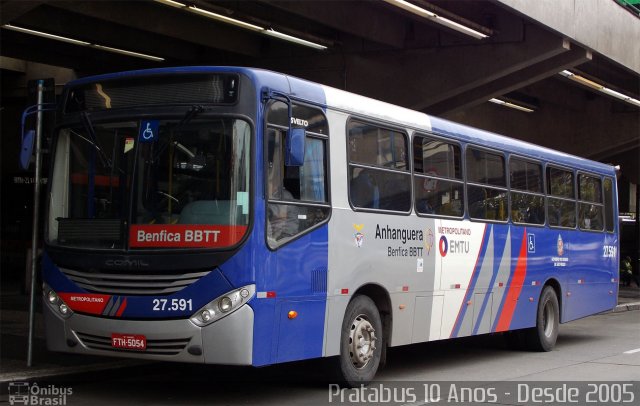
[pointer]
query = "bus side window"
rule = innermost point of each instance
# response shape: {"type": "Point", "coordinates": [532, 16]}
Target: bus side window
{"type": "Point", "coordinates": [561, 208]}
{"type": "Point", "coordinates": [608, 205]}
{"type": "Point", "coordinates": [379, 176]}
{"type": "Point", "coordinates": [439, 189]}
{"type": "Point", "coordinates": [487, 187]}
{"type": "Point", "coordinates": [590, 207]}
{"type": "Point", "coordinates": [527, 198]}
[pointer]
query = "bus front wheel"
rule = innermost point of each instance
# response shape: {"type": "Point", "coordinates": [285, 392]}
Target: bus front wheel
{"type": "Point", "coordinates": [361, 342]}
{"type": "Point", "coordinates": [543, 336]}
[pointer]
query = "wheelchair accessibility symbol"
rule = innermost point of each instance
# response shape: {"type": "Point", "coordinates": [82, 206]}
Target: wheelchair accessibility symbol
{"type": "Point", "coordinates": [531, 243]}
{"type": "Point", "coordinates": [148, 131]}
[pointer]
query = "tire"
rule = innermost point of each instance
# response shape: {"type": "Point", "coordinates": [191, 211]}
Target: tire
{"type": "Point", "coordinates": [543, 336]}
{"type": "Point", "coordinates": [361, 343]}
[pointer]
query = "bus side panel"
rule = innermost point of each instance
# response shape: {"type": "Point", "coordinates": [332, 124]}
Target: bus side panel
{"type": "Point", "coordinates": [299, 281]}
{"type": "Point", "coordinates": [591, 274]}
{"type": "Point", "coordinates": [517, 310]}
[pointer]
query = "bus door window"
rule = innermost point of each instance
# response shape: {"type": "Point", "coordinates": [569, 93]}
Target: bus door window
{"type": "Point", "coordinates": [297, 196]}
{"type": "Point", "coordinates": [439, 189]}
{"type": "Point", "coordinates": [561, 207]}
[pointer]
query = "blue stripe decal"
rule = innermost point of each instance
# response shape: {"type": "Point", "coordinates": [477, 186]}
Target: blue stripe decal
{"type": "Point", "coordinates": [496, 268]}
{"type": "Point", "coordinates": [474, 279]}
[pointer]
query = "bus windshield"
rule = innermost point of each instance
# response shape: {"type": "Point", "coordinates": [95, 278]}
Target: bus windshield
{"type": "Point", "coordinates": [151, 184]}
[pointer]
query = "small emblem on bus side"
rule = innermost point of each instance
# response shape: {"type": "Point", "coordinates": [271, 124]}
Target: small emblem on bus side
{"type": "Point", "coordinates": [560, 246]}
{"type": "Point", "coordinates": [428, 242]}
{"type": "Point", "coordinates": [443, 246]}
{"type": "Point", "coordinates": [358, 236]}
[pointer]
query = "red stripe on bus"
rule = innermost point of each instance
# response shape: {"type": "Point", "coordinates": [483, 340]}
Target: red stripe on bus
{"type": "Point", "coordinates": [122, 307]}
{"type": "Point", "coordinates": [515, 288]}
{"type": "Point", "coordinates": [98, 180]}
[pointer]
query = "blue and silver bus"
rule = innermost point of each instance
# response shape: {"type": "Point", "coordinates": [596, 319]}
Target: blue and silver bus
{"type": "Point", "coordinates": [239, 216]}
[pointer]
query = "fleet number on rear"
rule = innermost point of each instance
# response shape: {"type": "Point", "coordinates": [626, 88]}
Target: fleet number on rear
{"type": "Point", "coordinates": [609, 251]}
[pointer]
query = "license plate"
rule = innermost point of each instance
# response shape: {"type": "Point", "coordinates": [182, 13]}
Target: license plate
{"type": "Point", "coordinates": [129, 341]}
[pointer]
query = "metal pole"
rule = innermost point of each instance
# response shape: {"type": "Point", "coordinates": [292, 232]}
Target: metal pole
{"type": "Point", "coordinates": [34, 236]}
{"type": "Point", "coordinates": [636, 266]}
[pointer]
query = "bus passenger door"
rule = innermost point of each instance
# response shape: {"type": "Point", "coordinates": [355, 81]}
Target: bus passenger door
{"type": "Point", "coordinates": [297, 210]}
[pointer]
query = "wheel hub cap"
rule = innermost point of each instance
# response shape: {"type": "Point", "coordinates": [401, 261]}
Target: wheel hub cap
{"type": "Point", "coordinates": [362, 341]}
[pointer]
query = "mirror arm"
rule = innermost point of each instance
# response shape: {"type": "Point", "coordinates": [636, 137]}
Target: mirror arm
{"type": "Point", "coordinates": [268, 94]}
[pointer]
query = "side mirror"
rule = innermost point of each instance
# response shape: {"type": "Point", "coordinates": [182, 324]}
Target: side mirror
{"type": "Point", "coordinates": [295, 147]}
{"type": "Point", "coordinates": [27, 149]}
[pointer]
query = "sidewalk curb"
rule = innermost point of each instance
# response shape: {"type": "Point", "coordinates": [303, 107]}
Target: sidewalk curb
{"type": "Point", "coordinates": [626, 307]}
{"type": "Point", "coordinates": [29, 375]}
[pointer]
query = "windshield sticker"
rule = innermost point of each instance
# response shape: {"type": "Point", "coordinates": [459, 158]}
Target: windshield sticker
{"type": "Point", "coordinates": [128, 144]}
{"type": "Point", "coordinates": [243, 201]}
{"type": "Point", "coordinates": [184, 235]}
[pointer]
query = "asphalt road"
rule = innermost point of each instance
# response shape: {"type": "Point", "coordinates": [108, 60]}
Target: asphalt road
{"type": "Point", "coordinates": [598, 348]}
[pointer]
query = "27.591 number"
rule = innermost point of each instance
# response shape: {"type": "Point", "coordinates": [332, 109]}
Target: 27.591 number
{"type": "Point", "coordinates": [173, 305]}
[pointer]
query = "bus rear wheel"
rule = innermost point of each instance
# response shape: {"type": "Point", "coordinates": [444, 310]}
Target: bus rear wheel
{"type": "Point", "coordinates": [543, 336]}
{"type": "Point", "coordinates": [361, 342]}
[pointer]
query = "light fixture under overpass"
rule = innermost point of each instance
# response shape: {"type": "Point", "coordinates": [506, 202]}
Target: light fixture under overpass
{"type": "Point", "coordinates": [73, 41]}
{"type": "Point", "coordinates": [596, 86]}
{"type": "Point", "coordinates": [242, 24]}
{"type": "Point", "coordinates": [512, 105]}
{"type": "Point", "coordinates": [444, 21]}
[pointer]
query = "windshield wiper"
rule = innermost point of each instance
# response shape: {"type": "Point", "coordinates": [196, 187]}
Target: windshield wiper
{"type": "Point", "coordinates": [88, 127]}
{"type": "Point", "coordinates": [188, 116]}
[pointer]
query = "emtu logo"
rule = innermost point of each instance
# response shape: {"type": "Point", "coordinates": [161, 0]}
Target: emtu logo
{"type": "Point", "coordinates": [443, 246]}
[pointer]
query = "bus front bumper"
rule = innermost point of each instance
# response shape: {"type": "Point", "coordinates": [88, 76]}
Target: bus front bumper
{"type": "Point", "coordinates": [228, 341]}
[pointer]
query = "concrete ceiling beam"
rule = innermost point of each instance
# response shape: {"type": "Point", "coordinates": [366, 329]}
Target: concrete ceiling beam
{"type": "Point", "coordinates": [62, 22]}
{"type": "Point", "coordinates": [12, 9]}
{"type": "Point", "coordinates": [168, 22]}
{"type": "Point", "coordinates": [516, 80]}
{"type": "Point", "coordinates": [361, 19]}
{"type": "Point", "coordinates": [435, 75]}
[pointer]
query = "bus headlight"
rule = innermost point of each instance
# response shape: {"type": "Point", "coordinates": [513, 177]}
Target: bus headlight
{"type": "Point", "coordinates": [223, 305]}
{"type": "Point", "coordinates": [56, 303]}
